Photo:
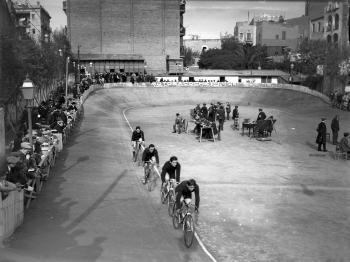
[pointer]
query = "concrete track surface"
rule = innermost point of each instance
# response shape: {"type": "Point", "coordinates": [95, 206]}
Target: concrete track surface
{"type": "Point", "coordinates": [260, 201]}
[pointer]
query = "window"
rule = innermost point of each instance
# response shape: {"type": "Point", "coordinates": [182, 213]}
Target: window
{"type": "Point", "coordinates": [249, 36]}
{"type": "Point", "coordinates": [33, 16]}
{"type": "Point", "coordinates": [336, 22]}
{"type": "Point", "coordinates": [319, 27]}
{"type": "Point", "coordinates": [283, 35]}
{"type": "Point", "coordinates": [33, 31]}
{"type": "Point", "coordinates": [241, 35]}
{"type": "Point", "coordinates": [313, 27]}
{"type": "Point", "coordinates": [277, 37]}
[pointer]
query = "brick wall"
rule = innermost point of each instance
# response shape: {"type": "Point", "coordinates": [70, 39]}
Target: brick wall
{"type": "Point", "coordinates": [150, 28]}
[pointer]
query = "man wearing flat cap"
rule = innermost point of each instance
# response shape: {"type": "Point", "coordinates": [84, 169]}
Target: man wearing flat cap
{"type": "Point", "coordinates": [344, 144]}
{"type": "Point", "coordinates": [321, 135]}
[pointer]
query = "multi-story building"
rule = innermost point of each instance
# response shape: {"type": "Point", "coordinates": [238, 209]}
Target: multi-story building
{"type": "Point", "coordinates": [245, 32]}
{"type": "Point", "coordinates": [33, 20]}
{"type": "Point", "coordinates": [329, 21]}
{"type": "Point", "coordinates": [277, 36]}
{"type": "Point", "coordinates": [127, 35]}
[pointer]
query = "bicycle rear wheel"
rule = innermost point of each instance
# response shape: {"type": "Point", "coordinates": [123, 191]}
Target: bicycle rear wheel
{"type": "Point", "coordinates": [188, 226]}
{"type": "Point", "coordinates": [176, 218]}
{"type": "Point", "coordinates": [171, 202]}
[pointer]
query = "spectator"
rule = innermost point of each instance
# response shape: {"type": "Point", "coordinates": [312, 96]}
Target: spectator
{"type": "Point", "coordinates": [228, 110]}
{"type": "Point", "coordinates": [335, 129]}
{"type": "Point", "coordinates": [321, 135]}
{"type": "Point", "coordinates": [220, 116]}
{"type": "Point", "coordinates": [261, 115]}
{"type": "Point", "coordinates": [344, 144]}
{"type": "Point", "coordinates": [17, 142]}
{"type": "Point", "coordinates": [204, 111]}
{"type": "Point", "coordinates": [235, 113]}
{"type": "Point", "coordinates": [178, 124]}
{"type": "Point", "coordinates": [6, 186]}
{"type": "Point", "coordinates": [59, 126]}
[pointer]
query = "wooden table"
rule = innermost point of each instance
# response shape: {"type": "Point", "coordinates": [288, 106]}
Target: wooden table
{"type": "Point", "coordinates": [206, 128]}
{"type": "Point", "coordinates": [248, 126]}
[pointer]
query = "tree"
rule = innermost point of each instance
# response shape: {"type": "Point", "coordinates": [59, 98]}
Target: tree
{"type": "Point", "coordinates": [190, 56]}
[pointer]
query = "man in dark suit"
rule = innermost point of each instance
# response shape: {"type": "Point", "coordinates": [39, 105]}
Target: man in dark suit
{"type": "Point", "coordinates": [204, 111]}
{"type": "Point", "coordinates": [335, 129]}
{"type": "Point", "coordinates": [321, 135]}
{"type": "Point", "coordinates": [261, 115]}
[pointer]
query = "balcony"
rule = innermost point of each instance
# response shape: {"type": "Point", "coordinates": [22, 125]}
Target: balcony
{"type": "Point", "coordinates": [182, 30]}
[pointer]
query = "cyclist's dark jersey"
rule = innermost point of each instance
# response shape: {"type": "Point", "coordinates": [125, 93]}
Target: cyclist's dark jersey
{"type": "Point", "coordinates": [136, 136]}
{"type": "Point", "coordinates": [147, 155]}
{"type": "Point", "coordinates": [174, 172]}
{"type": "Point", "coordinates": [182, 190]}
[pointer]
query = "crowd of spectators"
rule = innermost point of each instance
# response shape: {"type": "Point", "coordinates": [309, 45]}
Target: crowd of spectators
{"type": "Point", "coordinates": [49, 121]}
{"type": "Point", "coordinates": [340, 100]}
{"type": "Point", "coordinates": [115, 77]}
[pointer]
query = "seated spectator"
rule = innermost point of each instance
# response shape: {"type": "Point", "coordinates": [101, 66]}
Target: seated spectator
{"type": "Point", "coordinates": [6, 186]}
{"type": "Point", "coordinates": [59, 126]}
{"type": "Point", "coordinates": [261, 115]}
{"type": "Point", "coordinates": [16, 174]}
{"type": "Point", "coordinates": [344, 144]}
{"type": "Point", "coordinates": [178, 124]}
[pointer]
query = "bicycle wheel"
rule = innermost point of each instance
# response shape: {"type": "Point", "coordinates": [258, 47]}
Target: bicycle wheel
{"type": "Point", "coordinates": [171, 202]}
{"type": "Point", "coordinates": [188, 226]}
{"type": "Point", "coordinates": [163, 195]}
{"type": "Point", "coordinates": [176, 218]}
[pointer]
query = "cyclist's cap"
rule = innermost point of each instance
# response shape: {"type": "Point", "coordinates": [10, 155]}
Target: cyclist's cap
{"type": "Point", "coordinates": [191, 182]}
{"type": "Point", "coordinates": [138, 127]}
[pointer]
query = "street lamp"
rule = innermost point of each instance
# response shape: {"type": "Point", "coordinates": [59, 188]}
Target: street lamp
{"type": "Point", "coordinates": [290, 73]}
{"type": "Point", "coordinates": [28, 94]}
{"type": "Point", "coordinates": [67, 62]}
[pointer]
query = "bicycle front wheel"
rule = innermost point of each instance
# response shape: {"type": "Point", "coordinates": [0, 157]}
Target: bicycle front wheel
{"type": "Point", "coordinates": [163, 195]}
{"type": "Point", "coordinates": [171, 203]}
{"type": "Point", "coordinates": [152, 182]}
{"type": "Point", "coordinates": [188, 226]}
{"type": "Point", "coordinates": [176, 218]}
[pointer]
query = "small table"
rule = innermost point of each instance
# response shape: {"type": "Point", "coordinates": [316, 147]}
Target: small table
{"type": "Point", "coordinates": [248, 126]}
{"type": "Point", "coordinates": [206, 128]}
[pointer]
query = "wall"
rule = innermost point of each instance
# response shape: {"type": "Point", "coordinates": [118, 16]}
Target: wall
{"type": "Point", "coordinates": [150, 28]}
{"type": "Point", "coordinates": [197, 44]}
{"type": "Point", "coordinates": [2, 139]}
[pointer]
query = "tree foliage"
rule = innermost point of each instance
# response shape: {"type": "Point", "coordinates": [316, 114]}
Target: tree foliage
{"type": "Point", "coordinates": [233, 55]}
{"type": "Point", "coordinates": [190, 56]}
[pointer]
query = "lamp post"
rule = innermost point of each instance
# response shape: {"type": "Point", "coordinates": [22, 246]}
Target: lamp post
{"type": "Point", "coordinates": [290, 73]}
{"type": "Point", "coordinates": [67, 62]}
{"type": "Point", "coordinates": [28, 94]}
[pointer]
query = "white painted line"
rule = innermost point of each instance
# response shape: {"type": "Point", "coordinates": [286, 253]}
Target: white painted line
{"type": "Point", "coordinates": [195, 233]}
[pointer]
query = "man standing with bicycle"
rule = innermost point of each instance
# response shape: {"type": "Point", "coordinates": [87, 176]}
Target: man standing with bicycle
{"type": "Point", "coordinates": [137, 138]}
{"type": "Point", "coordinates": [148, 154]}
{"type": "Point", "coordinates": [173, 168]}
{"type": "Point", "coordinates": [185, 189]}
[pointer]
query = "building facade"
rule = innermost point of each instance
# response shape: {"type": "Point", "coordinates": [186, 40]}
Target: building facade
{"type": "Point", "coordinates": [131, 36]}
{"type": "Point", "coordinates": [277, 36]}
{"type": "Point", "coordinates": [33, 20]}
{"type": "Point", "coordinates": [245, 32]}
{"type": "Point", "coordinates": [198, 45]}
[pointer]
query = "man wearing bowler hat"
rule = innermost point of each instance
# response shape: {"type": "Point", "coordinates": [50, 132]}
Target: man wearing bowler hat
{"type": "Point", "coordinates": [321, 135]}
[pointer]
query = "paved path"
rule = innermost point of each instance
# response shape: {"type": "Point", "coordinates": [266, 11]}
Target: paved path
{"type": "Point", "coordinates": [94, 207]}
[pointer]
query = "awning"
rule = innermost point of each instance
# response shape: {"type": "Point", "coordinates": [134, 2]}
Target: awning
{"type": "Point", "coordinates": [115, 57]}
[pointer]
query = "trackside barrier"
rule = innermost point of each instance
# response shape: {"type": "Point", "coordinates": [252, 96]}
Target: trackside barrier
{"type": "Point", "coordinates": [12, 207]}
{"type": "Point", "coordinates": [298, 88]}
{"type": "Point", "coordinates": [11, 213]}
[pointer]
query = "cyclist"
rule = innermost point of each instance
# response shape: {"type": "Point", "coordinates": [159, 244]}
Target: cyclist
{"type": "Point", "coordinates": [185, 189]}
{"type": "Point", "coordinates": [173, 168]}
{"type": "Point", "coordinates": [137, 136]}
{"type": "Point", "coordinates": [148, 154]}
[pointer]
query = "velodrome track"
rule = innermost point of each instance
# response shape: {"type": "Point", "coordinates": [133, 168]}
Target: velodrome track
{"type": "Point", "coordinates": [260, 201]}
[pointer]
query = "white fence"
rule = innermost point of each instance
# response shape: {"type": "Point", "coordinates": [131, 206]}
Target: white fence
{"type": "Point", "coordinates": [11, 213]}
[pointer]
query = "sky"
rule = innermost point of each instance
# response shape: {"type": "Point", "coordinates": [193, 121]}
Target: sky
{"type": "Point", "coordinates": [207, 18]}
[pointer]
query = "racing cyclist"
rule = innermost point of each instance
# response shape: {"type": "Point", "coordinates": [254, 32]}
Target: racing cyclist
{"type": "Point", "coordinates": [173, 168]}
{"type": "Point", "coordinates": [137, 136]}
{"type": "Point", "coordinates": [184, 190]}
{"type": "Point", "coordinates": [148, 154]}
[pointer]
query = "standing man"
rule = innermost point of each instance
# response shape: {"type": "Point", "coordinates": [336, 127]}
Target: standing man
{"type": "Point", "coordinates": [178, 124]}
{"type": "Point", "coordinates": [204, 111]}
{"type": "Point", "coordinates": [321, 135]}
{"type": "Point", "coordinates": [228, 110]}
{"type": "Point", "coordinates": [235, 113]}
{"type": "Point", "coordinates": [220, 116]}
{"type": "Point", "coordinates": [335, 129]}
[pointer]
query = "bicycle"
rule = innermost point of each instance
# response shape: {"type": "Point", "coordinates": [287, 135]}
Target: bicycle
{"type": "Point", "coordinates": [138, 152]}
{"type": "Point", "coordinates": [169, 195]}
{"type": "Point", "coordinates": [187, 221]}
{"type": "Point", "coordinates": [150, 175]}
